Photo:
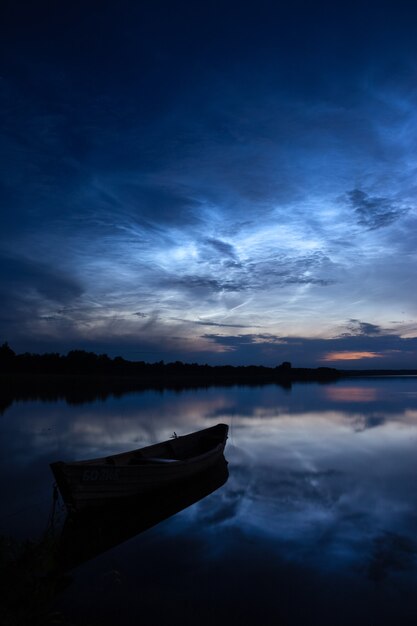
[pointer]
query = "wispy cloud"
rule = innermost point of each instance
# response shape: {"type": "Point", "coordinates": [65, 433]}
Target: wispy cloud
{"type": "Point", "coordinates": [19, 273]}
{"type": "Point", "coordinates": [210, 323]}
{"type": "Point", "coordinates": [224, 248]}
{"type": "Point", "coordinates": [166, 196]}
{"type": "Point", "coordinates": [195, 283]}
{"type": "Point", "coordinates": [364, 329]}
{"type": "Point", "coordinates": [375, 212]}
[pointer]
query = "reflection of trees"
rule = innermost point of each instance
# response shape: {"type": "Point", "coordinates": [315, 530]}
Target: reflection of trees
{"type": "Point", "coordinates": [80, 390]}
{"type": "Point", "coordinates": [81, 376]}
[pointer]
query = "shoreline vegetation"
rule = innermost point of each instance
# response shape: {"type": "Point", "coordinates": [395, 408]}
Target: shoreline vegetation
{"type": "Point", "coordinates": [81, 376]}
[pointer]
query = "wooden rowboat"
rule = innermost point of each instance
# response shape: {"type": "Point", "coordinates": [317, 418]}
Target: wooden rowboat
{"type": "Point", "coordinates": [96, 482]}
{"type": "Point", "coordinates": [93, 531]}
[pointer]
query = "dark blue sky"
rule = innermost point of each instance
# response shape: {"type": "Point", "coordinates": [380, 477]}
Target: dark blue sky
{"type": "Point", "coordinates": [210, 181]}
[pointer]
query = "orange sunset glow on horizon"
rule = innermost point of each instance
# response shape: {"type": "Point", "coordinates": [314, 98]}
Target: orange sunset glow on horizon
{"type": "Point", "coordinates": [350, 356]}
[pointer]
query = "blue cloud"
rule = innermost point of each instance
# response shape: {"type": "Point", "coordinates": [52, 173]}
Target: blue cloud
{"type": "Point", "coordinates": [195, 166]}
{"type": "Point", "coordinates": [374, 212]}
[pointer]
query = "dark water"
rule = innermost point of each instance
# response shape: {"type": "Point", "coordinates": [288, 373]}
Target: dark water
{"type": "Point", "coordinates": [317, 522]}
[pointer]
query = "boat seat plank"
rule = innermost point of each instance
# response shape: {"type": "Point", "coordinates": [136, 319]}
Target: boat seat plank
{"type": "Point", "coordinates": [145, 460]}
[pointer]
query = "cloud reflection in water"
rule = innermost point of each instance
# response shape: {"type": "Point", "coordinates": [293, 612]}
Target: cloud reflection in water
{"type": "Point", "coordinates": [321, 473]}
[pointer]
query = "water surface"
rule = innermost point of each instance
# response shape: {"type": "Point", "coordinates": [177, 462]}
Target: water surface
{"type": "Point", "coordinates": [316, 523]}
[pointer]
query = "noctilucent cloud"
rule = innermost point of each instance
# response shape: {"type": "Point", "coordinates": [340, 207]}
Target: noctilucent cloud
{"type": "Point", "coordinates": [220, 182]}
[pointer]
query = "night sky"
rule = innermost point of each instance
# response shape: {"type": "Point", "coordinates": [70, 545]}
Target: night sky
{"type": "Point", "coordinates": [210, 182]}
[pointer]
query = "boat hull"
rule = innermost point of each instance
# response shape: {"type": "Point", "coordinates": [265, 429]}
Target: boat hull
{"type": "Point", "coordinates": [100, 481]}
{"type": "Point", "coordinates": [95, 530]}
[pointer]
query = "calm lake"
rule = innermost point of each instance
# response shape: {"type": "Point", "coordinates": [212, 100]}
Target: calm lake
{"type": "Point", "coordinates": [316, 523]}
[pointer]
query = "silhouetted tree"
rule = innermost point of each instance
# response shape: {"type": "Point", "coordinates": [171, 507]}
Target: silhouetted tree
{"type": "Point", "coordinates": [7, 356]}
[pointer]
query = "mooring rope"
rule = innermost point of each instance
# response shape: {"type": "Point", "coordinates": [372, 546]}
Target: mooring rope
{"type": "Point", "coordinates": [51, 519]}
{"type": "Point", "coordinates": [34, 505]}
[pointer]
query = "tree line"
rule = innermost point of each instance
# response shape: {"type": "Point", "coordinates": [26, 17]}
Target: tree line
{"type": "Point", "coordinates": [83, 363]}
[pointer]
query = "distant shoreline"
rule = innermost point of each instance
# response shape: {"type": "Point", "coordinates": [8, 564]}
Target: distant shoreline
{"type": "Point", "coordinates": [89, 377]}
{"type": "Point", "coordinates": [209, 374]}
{"type": "Point", "coordinates": [90, 366]}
